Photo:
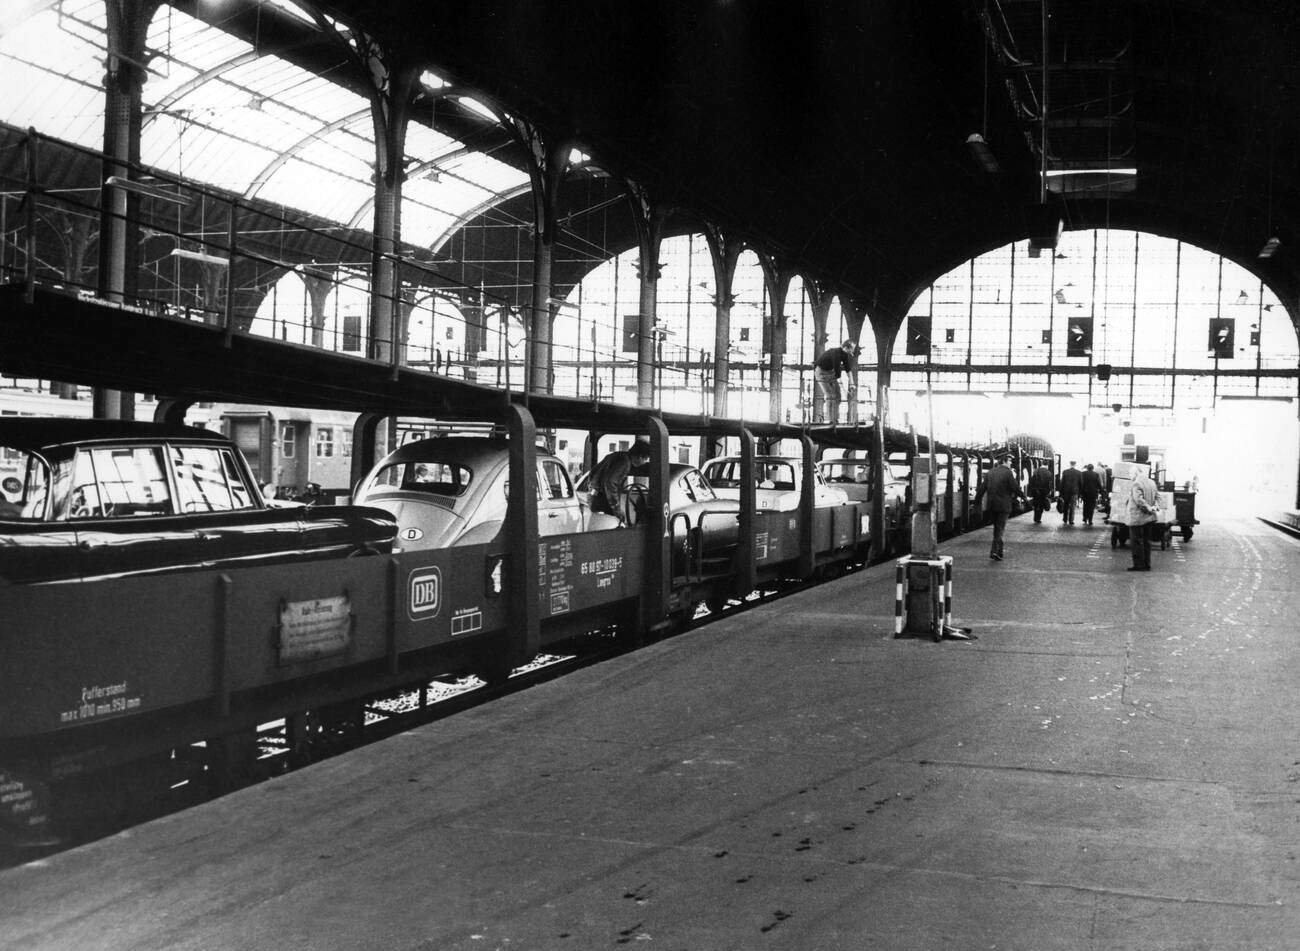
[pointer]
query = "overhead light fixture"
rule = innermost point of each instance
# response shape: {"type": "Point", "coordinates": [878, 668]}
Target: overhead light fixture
{"type": "Point", "coordinates": [145, 189]}
{"type": "Point", "coordinates": [1089, 180]}
{"type": "Point", "coordinates": [200, 257]}
{"type": "Point", "coordinates": [1045, 226]}
{"type": "Point", "coordinates": [1270, 247]}
{"type": "Point", "coordinates": [982, 153]}
{"type": "Point", "coordinates": [1084, 170]}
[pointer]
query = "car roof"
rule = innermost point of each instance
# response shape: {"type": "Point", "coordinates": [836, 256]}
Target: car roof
{"type": "Point", "coordinates": [674, 469]}
{"type": "Point", "coordinates": [794, 460]}
{"type": "Point", "coordinates": [37, 433]}
{"type": "Point", "coordinates": [469, 450]}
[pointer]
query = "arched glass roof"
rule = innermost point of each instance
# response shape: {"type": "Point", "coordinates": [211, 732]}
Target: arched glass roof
{"type": "Point", "coordinates": [220, 112]}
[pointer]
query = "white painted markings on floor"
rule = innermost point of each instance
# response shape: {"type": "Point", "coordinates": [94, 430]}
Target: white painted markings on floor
{"type": "Point", "coordinates": [1098, 540]}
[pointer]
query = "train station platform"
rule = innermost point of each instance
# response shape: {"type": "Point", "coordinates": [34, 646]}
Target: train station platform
{"type": "Point", "coordinates": [1113, 763]}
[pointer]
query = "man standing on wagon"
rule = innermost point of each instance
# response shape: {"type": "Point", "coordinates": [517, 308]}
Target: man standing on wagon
{"type": "Point", "coordinates": [826, 406]}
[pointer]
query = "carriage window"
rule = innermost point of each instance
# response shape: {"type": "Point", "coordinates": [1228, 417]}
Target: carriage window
{"type": "Point", "coordinates": [118, 483]}
{"type": "Point", "coordinates": [204, 480]}
{"type": "Point", "coordinates": [288, 440]}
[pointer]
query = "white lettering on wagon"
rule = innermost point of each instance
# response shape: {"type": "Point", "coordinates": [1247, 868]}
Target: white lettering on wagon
{"type": "Point", "coordinates": [604, 569]}
{"type": "Point", "coordinates": [466, 621]}
{"type": "Point", "coordinates": [424, 593]}
{"type": "Point", "coordinates": [101, 701]}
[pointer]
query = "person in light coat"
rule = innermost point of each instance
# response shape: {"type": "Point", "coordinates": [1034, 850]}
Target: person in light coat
{"type": "Point", "coordinates": [1141, 515]}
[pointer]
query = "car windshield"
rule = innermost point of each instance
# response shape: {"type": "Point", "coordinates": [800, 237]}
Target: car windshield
{"type": "Point", "coordinates": [24, 484]}
{"type": "Point", "coordinates": [851, 471]}
{"type": "Point", "coordinates": [436, 478]}
{"type": "Point", "coordinates": [776, 475]}
{"type": "Point", "coordinates": [724, 474]}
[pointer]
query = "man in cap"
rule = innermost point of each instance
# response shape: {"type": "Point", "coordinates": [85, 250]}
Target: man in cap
{"type": "Point", "coordinates": [1002, 488]}
{"type": "Point", "coordinates": [1071, 482]}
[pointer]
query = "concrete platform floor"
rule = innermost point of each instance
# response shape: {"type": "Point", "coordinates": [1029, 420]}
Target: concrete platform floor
{"type": "Point", "coordinates": [1113, 764]}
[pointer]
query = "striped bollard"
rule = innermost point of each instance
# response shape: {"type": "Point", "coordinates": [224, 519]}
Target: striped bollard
{"type": "Point", "coordinates": [898, 596]}
{"type": "Point", "coordinates": [947, 592]}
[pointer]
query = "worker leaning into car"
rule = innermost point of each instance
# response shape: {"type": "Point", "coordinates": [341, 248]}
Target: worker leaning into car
{"type": "Point", "coordinates": [610, 474]}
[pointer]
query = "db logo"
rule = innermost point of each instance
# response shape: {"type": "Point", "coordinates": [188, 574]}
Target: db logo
{"type": "Point", "coordinates": [424, 593]}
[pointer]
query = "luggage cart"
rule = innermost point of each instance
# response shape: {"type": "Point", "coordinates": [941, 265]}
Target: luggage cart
{"type": "Point", "coordinates": [1184, 513]}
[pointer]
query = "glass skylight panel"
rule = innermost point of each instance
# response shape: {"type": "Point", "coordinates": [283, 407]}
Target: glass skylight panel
{"type": "Point", "coordinates": [311, 95]}
{"type": "Point", "coordinates": [51, 68]}
{"type": "Point", "coordinates": [342, 151]}
{"type": "Point", "coordinates": [424, 144]}
{"type": "Point", "coordinates": [218, 113]}
{"type": "Point", "coordinates": [206, 155]}
{"type": "Point", "coordinates": [66, 110]}
{"type": "Point", "coordinates": [292, 9]}
{"type": "Point", "coordinates": [485, 172]}
{"type": "Point", "coordinates": [473, 105]}
{"type": "Point", "coordinates": [422, 222]}
{"type": "Point", "coordinates": [318, 191]}
{"type": "Point", "coordinates": [187, 44]}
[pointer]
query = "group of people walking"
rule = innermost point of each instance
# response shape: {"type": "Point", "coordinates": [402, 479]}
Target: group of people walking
{"type": "Point", "coordinates": [1074, 486]}
{"type": "Point", "coordinates": [1001, 486]}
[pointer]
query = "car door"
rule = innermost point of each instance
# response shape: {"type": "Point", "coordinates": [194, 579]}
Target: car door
{"type": "Point", "coordinates": [220, 507]}
{"type": "Point", "coordinates": [121, 505]}
{"type": "Point", "coordinates": [34, 549]}
{"type": "Point", "coordinates": [558, 511]}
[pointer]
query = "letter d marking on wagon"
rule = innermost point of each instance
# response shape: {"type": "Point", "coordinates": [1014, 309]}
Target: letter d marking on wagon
{"type": "Point", "coordinates": [424, 593]}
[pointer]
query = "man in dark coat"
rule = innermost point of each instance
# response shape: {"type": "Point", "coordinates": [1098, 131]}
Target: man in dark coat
{"type": "Point", "coordinates": [1071, 481]}
{"type": "Point", "coordinates": [1089, 489]}
{"type": "Point", "coordinates": [609, 475]}
{"type": "Point", "coordinates": [826, 405]}
{"type": "Point", "coordinates": [1002, 488]}
{"type": "Point", "coordinates": [1040, 490]}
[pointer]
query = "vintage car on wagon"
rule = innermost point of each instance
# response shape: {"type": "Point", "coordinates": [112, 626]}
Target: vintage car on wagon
{"type": "Point", "coordinates": [86, 499]}
{"type": "Point", "coordinates": [778, 482]}
{"type": "Point", "coordinates": [452, 490]}
{"type": "Point", "coordinates": [692, 504]}
{"type": "Point", "coordinates": [853, 477]}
